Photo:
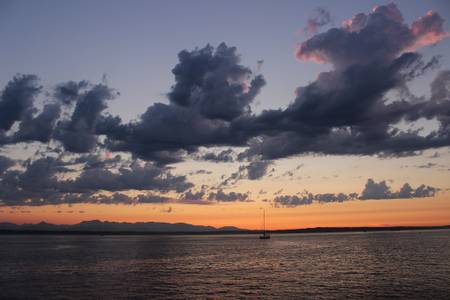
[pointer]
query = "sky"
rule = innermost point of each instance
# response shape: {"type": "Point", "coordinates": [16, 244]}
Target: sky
{"type": "Point", "coordinates": [322, 113]}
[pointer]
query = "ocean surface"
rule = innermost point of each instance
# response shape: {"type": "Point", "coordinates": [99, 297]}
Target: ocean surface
{"type": "Point", "coordinates": [375, 265]}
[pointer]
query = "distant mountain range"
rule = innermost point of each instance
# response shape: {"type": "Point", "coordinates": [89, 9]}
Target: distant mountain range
{"type": "Point", "coordinates": [105, 226]}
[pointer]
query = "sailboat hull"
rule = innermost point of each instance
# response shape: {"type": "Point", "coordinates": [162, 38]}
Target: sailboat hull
{"type": "Point", "coordinates": [264, 237]}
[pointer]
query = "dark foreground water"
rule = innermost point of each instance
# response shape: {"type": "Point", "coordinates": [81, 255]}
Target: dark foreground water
{"type": "Point", "coordinates": [408, 265]}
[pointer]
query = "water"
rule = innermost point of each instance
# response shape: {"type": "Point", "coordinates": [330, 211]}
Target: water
{"type": "Point", "coordinates": [409, 265]}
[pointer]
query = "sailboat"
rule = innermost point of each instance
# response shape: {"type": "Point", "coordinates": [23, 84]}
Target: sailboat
{"type": "Point", "coordinates": [265, 235]}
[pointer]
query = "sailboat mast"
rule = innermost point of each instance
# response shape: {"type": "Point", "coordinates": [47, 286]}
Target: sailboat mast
{"type": "Point", "coordinates": [265, 235]}
{"type": "Point", "coordinates": [264, 221]}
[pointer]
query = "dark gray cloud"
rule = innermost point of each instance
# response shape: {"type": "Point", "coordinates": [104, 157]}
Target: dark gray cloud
{"type": "Point", "coordinates": [203, 197]}
{"type": "Point", "coordinates": [345, 111]}
{"type": "Point", "coordinates": [374, 190]}
{"type": "Point", "coordinates": [352, 118]}
{"type": "Point", "coordinates": [199, 172]}
{"type": "Point", "coordinates": [254, 170]}
{"type": "Point", "coordinates": [227, 155]}
{"type": "Point", "coordinates": [166, 129]}
{"type": "Point", "coordinates": [17, 98]}
{"type": "Point", "coordinates": [40, 183]}
{"type": "Point", "coordinates": [120, 198]}
{"type": "Point", "coordinates": [211, 91]}
{"type": "Point", "coordinates": [371, 191]}
{"type": "Point", "coordinates": [75, 128]}
{"type": "Point", "coordinates": [191, 196]}
{"type": "Point", "coordinates": [257, 169]}
{"type": "Point", "coordinates": [222, 196]}
{"type": "Point", "coordinates": [330, 197]}
{"type": "Point", "coordinates": [5, 163]}
{"type": "Point", "coordinates": [69, 92]}
{"type": "Point", "coordinates": [212, 82]}
{"type": "Point", "coordinates": [95, 161]}
{"type": "Point", "coordinates": [293, 200]}
{"type": "Point", "coordinates": [78, 134]}
{"type": "Point", "coordinates": [136, 177]}
{"type": "Point", "coordinates": [39, 128]}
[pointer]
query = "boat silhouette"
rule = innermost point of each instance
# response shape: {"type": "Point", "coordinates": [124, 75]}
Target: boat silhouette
{"type": "Point", "coordinates": [265, 235]}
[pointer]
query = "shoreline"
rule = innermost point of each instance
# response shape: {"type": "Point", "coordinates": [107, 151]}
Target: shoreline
{"type": "Point", "coordinates": [225, 232]}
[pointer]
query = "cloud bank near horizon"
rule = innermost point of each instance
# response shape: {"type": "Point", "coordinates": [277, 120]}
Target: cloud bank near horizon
{"type": "Point", "coordinates": [371, 191]}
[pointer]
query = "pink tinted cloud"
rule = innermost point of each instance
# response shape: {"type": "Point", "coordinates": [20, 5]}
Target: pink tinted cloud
{"type": "Point", "coordinates": [356, 23]}
{"type": "Point", "coordinates": [428, 30]}
{"type": "Point", "coordinates": [314, 56]}
{"type": "Point", "coordinates": [321, 18]}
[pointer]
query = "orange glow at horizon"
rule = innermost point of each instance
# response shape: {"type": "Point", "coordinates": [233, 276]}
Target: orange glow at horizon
{"type": "Point", "coordinates": [406, 212]}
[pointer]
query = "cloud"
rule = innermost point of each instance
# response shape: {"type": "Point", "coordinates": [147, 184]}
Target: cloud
{"type": "Point", "coordinates": [192, 197]}
{"type": "Point", "coordinates": [371, 191]}
{"type": "Point", "coordinates": [257, 169]}
{"type": "Point", "coordinates": [227, 155]}
{"type": "Point", "coordinates": [382, 33]}
{"type": "Point", "coordinates": [213, 83]}
{"type": "Point", "coordinates": [221, 196]}
{"type": "Point", "coordinates": [75, 128]}
{"type": "Point", "coordinates": [5, 164]}
{"type": "Point", "coordinates": [136, 177]}
{"type": "Point", "coordinates": [374, 190]}
{"type": "Point", "coordinates": [307, 198]}
{"type": "Point", "coordinates": [321, 18]}
{"type": "Point", "coordinates": [96, 161]}
{"type": "Point", "coordinates": [201, 171]}
{"type": "Point", "coordinates": [78, 134]}
{"type": "Point", "coordinates": [69, 92]}
{"type": "Point", "coordinates": [202, 197]}
{"type": "Point", "coordinates": [293, 200]}
{"type": "Point", "coordinates": [345, 111]}
{"type": "Point", "coordinates": [211, 91]}
{"type": "Point", "coordinates": [290, 173]}
{"type": "Point", "coordinates": [254, 170]}
{"type": "Point", "coordinates": [39, 128]}
{"type": "Point", "coordinates": [426, 166]}
{"type": "Point", "coordinates": [428, 30]}
{"type": "Point", "coordinates": [40, 183]}
{"type": "Point", "coordinates": [17, 98]}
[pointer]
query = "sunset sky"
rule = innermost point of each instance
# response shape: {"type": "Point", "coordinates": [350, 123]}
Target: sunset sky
{"type": "Point", "coordinates": [323, 113]}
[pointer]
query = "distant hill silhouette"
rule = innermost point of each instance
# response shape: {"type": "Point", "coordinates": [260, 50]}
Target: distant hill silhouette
{"type": "Point", "coordinates": [106, 226]}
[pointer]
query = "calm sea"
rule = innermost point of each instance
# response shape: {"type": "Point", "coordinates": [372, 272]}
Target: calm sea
{"type": "Point", "coordinates": [408, 265]}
